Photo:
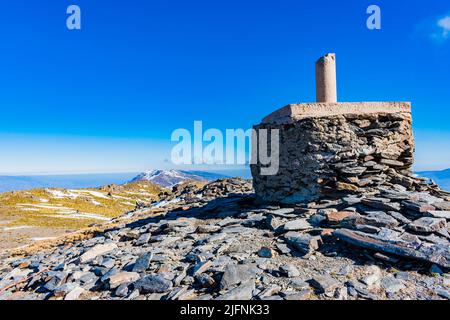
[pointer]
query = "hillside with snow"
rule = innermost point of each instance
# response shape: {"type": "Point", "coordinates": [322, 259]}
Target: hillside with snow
{"type": "Point", "coordinates": [170, 178]}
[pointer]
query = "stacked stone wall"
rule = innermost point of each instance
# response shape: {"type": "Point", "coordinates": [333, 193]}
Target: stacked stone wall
{"type": "Point", "coordinates": [337, 155]}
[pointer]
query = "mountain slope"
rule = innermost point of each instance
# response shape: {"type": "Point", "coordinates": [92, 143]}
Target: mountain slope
{"type": "Point", "coordinates": [169, 178]}
{"type": "Point", "coordinates": [42, 213]}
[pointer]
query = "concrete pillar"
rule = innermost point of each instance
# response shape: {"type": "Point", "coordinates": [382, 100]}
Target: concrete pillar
{"type": "Point", "coordinates": [326, 79]}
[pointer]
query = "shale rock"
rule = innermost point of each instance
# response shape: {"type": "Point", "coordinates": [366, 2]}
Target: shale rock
{"type": "Point", "coordinates": [237, 254]}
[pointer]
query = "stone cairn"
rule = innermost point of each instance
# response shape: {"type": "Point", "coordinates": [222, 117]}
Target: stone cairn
{"type": "Point", "coordinates": [329, 149]}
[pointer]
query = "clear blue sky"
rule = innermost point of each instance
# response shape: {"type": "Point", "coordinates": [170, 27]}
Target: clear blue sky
{"type": "Point", "coordinates": [107, 97]}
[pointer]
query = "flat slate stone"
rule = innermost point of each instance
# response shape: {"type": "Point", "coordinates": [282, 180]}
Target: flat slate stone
{"type": "Point", "coordinates": [382, 205]}
{"type": "Point", "coordinates": [337, 217]}
{"type": "Point", "coordinates": [399, 217]}
{"type": "Point", "coordinates": [74, 294]}
{"type": "Point", "coordinates": [238, 229]}
{"type": "Point", "coordinates": [325, 284]}
{"type": "Point", "coordinates": [442, 205]}
{"type": "Point", "coordinates": [284, 212]}
{"type": "Point", "coordinates": [443, 293]}
{"type": "Point", "coordinates": [153, 284]}
{"type": "Point", "coordinates": [99, 249]}
{"type": "Point", "coordinates": [296, 225]}
{"type": "Point", "coordinates": [439, 254]}
{"type": "Point", "coordinates": [269, 291]}
{"type": "Point", "coordinates": [304, 243]}
{"type": "Point", "coordinates": [143, 262]}
{"type": "Point", "coordinates": [289, 270]}
{"type": "Point", "coordinates": [122, 277]}
{"type": "Point", "coordinates": [379, 219]}
{"type": "Point", "coordinates": [283, 248]}
{"type": "Point", "coordinates": [304, 294]}
{"type": "Point", "coordinates": [205, 228]}
{"type": "Point", "coordinates": [243, 292]}
{"type": "Point", "coordinates": [63, 290]}
{"type": "Point", "coordinates": [392, 163]}
{"type": "Point", "coordinates": [235, 274]}
{"type": "Point", "coordinates": [143, 239]}
{"type": "Point", "coordinates": [418, 206]}
{"type": "Point", "coordinates": [428, 224]}
{"type": "Point", "coordinates": [439, 214]}
{"type": "Point", "coordinates": [372, 277]}
{"type": "Point", "coordinates": [355, 171]}
{"type": "Point", "coordinates": [298, 284]}
{"type": "Point", "coordinates": [201, 267]}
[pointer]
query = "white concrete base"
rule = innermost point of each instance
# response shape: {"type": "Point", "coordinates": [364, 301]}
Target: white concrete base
{"type": "Point", "coordinates": [295, 112]}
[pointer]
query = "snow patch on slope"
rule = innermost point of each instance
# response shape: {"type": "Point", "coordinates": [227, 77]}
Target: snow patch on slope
{"type": "Point", "coordinates": [167, 178]}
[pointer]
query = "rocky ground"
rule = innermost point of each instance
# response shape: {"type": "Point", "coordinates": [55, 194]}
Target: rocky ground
{"type": "Point", "coordinates": [216, 242]}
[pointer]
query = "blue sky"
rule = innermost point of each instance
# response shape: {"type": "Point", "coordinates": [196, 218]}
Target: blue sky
{"type": "Point", "coordinates": [107, 98]}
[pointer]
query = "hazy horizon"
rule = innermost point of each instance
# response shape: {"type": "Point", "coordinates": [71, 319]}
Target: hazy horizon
{"type": "Point", "coordinates": [93, 180]}
{"type": "Point", "coordinates": [87, 180]}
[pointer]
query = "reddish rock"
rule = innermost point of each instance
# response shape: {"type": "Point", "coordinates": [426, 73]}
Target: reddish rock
{"type": "Point", "coordinates": [336, 217]}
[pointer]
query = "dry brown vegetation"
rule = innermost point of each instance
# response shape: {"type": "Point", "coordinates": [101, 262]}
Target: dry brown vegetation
{"type": "Point", "coordinates": [64, 211]}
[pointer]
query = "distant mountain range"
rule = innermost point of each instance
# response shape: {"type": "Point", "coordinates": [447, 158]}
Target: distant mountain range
{"type": "Point", "coordinates": [69, 181]}
{"type": "Point", "coordinates": [169, 178]}
{"type": "Point", "coordinates": [165, 178]}
{"type": "Point", "coordinates": [442, 178]}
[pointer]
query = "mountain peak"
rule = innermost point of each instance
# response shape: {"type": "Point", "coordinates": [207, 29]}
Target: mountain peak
{"type": "Point", "coordinates": [169, 178]}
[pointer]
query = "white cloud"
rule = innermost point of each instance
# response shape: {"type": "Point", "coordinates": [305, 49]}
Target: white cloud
{"type": "Point", "coordinates": [438, 29]}
{"type": "Point", "coordinates": [444, 25]}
